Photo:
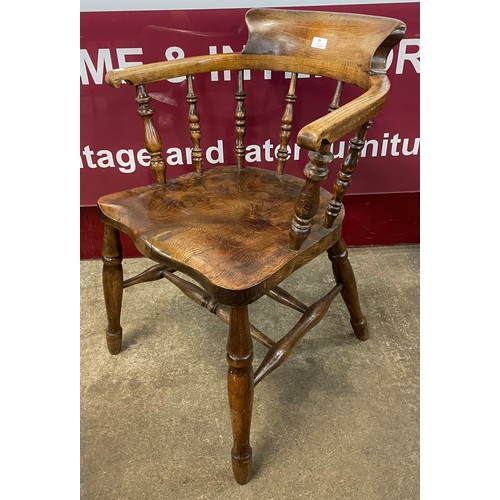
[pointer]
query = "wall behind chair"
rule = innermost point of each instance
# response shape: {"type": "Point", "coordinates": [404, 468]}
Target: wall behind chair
{"type": "Point", "coordinates": [383, 201]}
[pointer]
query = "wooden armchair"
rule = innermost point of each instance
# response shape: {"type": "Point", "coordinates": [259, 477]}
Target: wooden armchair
{"type": "Point", "coordinates": [239, 231]}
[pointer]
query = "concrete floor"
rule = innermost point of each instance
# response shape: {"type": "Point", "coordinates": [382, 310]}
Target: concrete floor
{"type": "Point", "coordinates": [340, 420]}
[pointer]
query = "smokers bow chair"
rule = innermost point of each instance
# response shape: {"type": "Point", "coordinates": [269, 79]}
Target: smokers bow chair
{"type": "Point", "coordinates": [239, 231]}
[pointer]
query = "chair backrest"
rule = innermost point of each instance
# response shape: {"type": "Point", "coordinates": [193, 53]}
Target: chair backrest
{"type": "Point", "coordinates": [350, 48]}
{"type": "Point", "coordinates": [346, 47]}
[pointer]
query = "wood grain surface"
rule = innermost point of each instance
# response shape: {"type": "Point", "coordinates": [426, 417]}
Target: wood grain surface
{"type": "Point", "coordinates": [239, 231]}
{"type": "Point", "coordinates": [228, 229]}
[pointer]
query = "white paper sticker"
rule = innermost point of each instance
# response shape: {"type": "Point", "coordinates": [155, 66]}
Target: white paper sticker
{"type": "Point", "coordinates": [319, 43]}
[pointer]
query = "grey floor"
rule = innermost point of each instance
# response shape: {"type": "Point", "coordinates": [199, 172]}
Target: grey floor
{"type": "Point", "coordinates": [340, 420]}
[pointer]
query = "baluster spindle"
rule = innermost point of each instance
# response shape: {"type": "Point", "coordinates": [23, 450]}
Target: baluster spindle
{"type": "Point", "coordinates": [286, 125]}
{"type": "Point", "coordinates": [152, 139]}
{"type": "Point", "coordinates": [345, 174]}
{"type": "Point", "coordinates": [335, 104]}
{"type": "Point", "coordinates": [194, 126]}
{"type": "Point", "coordinates": [240, 121]}
{"type": "Point", "coordinates": [307, 202]}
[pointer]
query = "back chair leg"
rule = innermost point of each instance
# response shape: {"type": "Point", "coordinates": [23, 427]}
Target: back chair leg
{"type": "Point", "coordinates": [112, 278]}
{"type": "Point", "coordinates": [240, 389]}
{"type": "Point", "coordinates": [344, 274]}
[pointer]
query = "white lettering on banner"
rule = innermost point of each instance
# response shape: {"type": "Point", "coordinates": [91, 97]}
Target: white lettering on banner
{"type": "Point", "coordinates": [127, 159]}
{"type": "Point", "coordinates": [403, 56]}
{"type": "Point", "coordinates": [338, 149]}
{"type": "Point", "coordinates": [169, 56]}
{"type": "Point", "coordinates": [219, 149]}
{"type": "Point", "coordinates": [96, 71]}
{"type": "Point", "coordinates": [104, 63]}
{"type": "Point", "coordinates": [96, 66]}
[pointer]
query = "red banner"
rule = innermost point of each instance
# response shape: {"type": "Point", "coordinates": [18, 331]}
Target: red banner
{"type": "Point", "coordinates": [112, 152]}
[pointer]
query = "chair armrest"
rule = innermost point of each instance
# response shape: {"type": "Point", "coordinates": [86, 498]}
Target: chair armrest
{"type": "Point", "coordinates": [352, 115]}
{"type": "Point", "coordinates": [154, 72]}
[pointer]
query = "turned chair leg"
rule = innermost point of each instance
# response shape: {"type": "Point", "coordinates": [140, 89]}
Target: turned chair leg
{"type": "Point", "coordinates": [240, 389]}
{"type": "Point", "coordinates": [112, 279]}
{"type": "Point", "coordinates": [344, 274]}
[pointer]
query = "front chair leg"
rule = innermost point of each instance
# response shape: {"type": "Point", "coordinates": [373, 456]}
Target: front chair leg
{"type": "Point", "coordinates": [344, 274]}
{"type": "Point", "coordinates": [112, 279]}
{"type": "Point", "coordinates": [240, 388]}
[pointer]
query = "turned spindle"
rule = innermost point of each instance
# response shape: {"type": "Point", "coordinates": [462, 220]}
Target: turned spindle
{"type": "Point", "coordinates": [342, 270]}
{"type": "Point", "coordinates": [344, 176]}
{"type": "Point", "coordinates": [282, 349]}
{"type": "Point", "coordinates": [194, 126]}
{"type": "Point", "coordinates": [201, 297]}
{"type": "Point", "coordinates": [335, 104]}
{"type": "Point", "coordinates": [307, 202]}
{"type": "Point", "coordinates": [286, 125]}
{"type": "Point", "coordinates": [240, 386]}
{"type": "Point", "coordinates": [152, 139]}
{"type": "Point", "coordinates": [283, 297]}
{"type": "Point", "coordinates": [112, 279]}
{"type": "Point", "coordinates": [240, 122]}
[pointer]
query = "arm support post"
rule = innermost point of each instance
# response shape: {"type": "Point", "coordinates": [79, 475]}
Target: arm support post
{"type": "Point", "coordinates": [307, 202]}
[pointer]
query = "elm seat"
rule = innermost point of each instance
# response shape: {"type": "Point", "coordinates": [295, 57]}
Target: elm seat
{"type": "Point", "coordinates": [227, 228]}
{"type": "Point", "coordinates": [237, 231]}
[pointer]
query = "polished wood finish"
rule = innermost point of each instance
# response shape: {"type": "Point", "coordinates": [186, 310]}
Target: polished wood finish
{"type": "Point", "coordinates": [202, 298]}
{"type": "Point", "coordinates": [194, 126]}
{"type": "Point", "coordinates": [152, 139]}
{"type": "Point", "coordinates": [344, 176]}
{"type": "Point", "coordinates": [374, 219]}
{"type": "Point", "coordinates": [283, 297]}
{"type": "Point", "coordinates": [112, 279]}
{"type": "Point", "coordinates": [286, 125]}
{"type": "Point", "coordinates": [223, 313]}
{"type": "Point", "coordinates": [195, 293]}
{"type": "Point", "coordinates": [240, 390]}
{"type": "Point", "coordinates": [279, 353]}
{"type": "Point", "coordinates": [335, 104]}
{"type": "Point", "coordinates": [239, 231]}
{"type": "Point", "coordinates": [344, 275]}
{"type": "Point", "coordinates": [308, 202]}
{"type": "Point", "coordinates": [227, 229]}
{"type": "Point", "coordinates": [240, 121]}
{"type": "Point", "coordinates": [153, 273]}
{"type": "Point", "coordinates": [356, 47]}
{"type": "Point", "coordinates": [356, 53]}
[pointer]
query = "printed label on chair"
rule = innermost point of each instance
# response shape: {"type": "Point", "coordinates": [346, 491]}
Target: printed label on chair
{"type": "Point", "coordinates": [319, 43]}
